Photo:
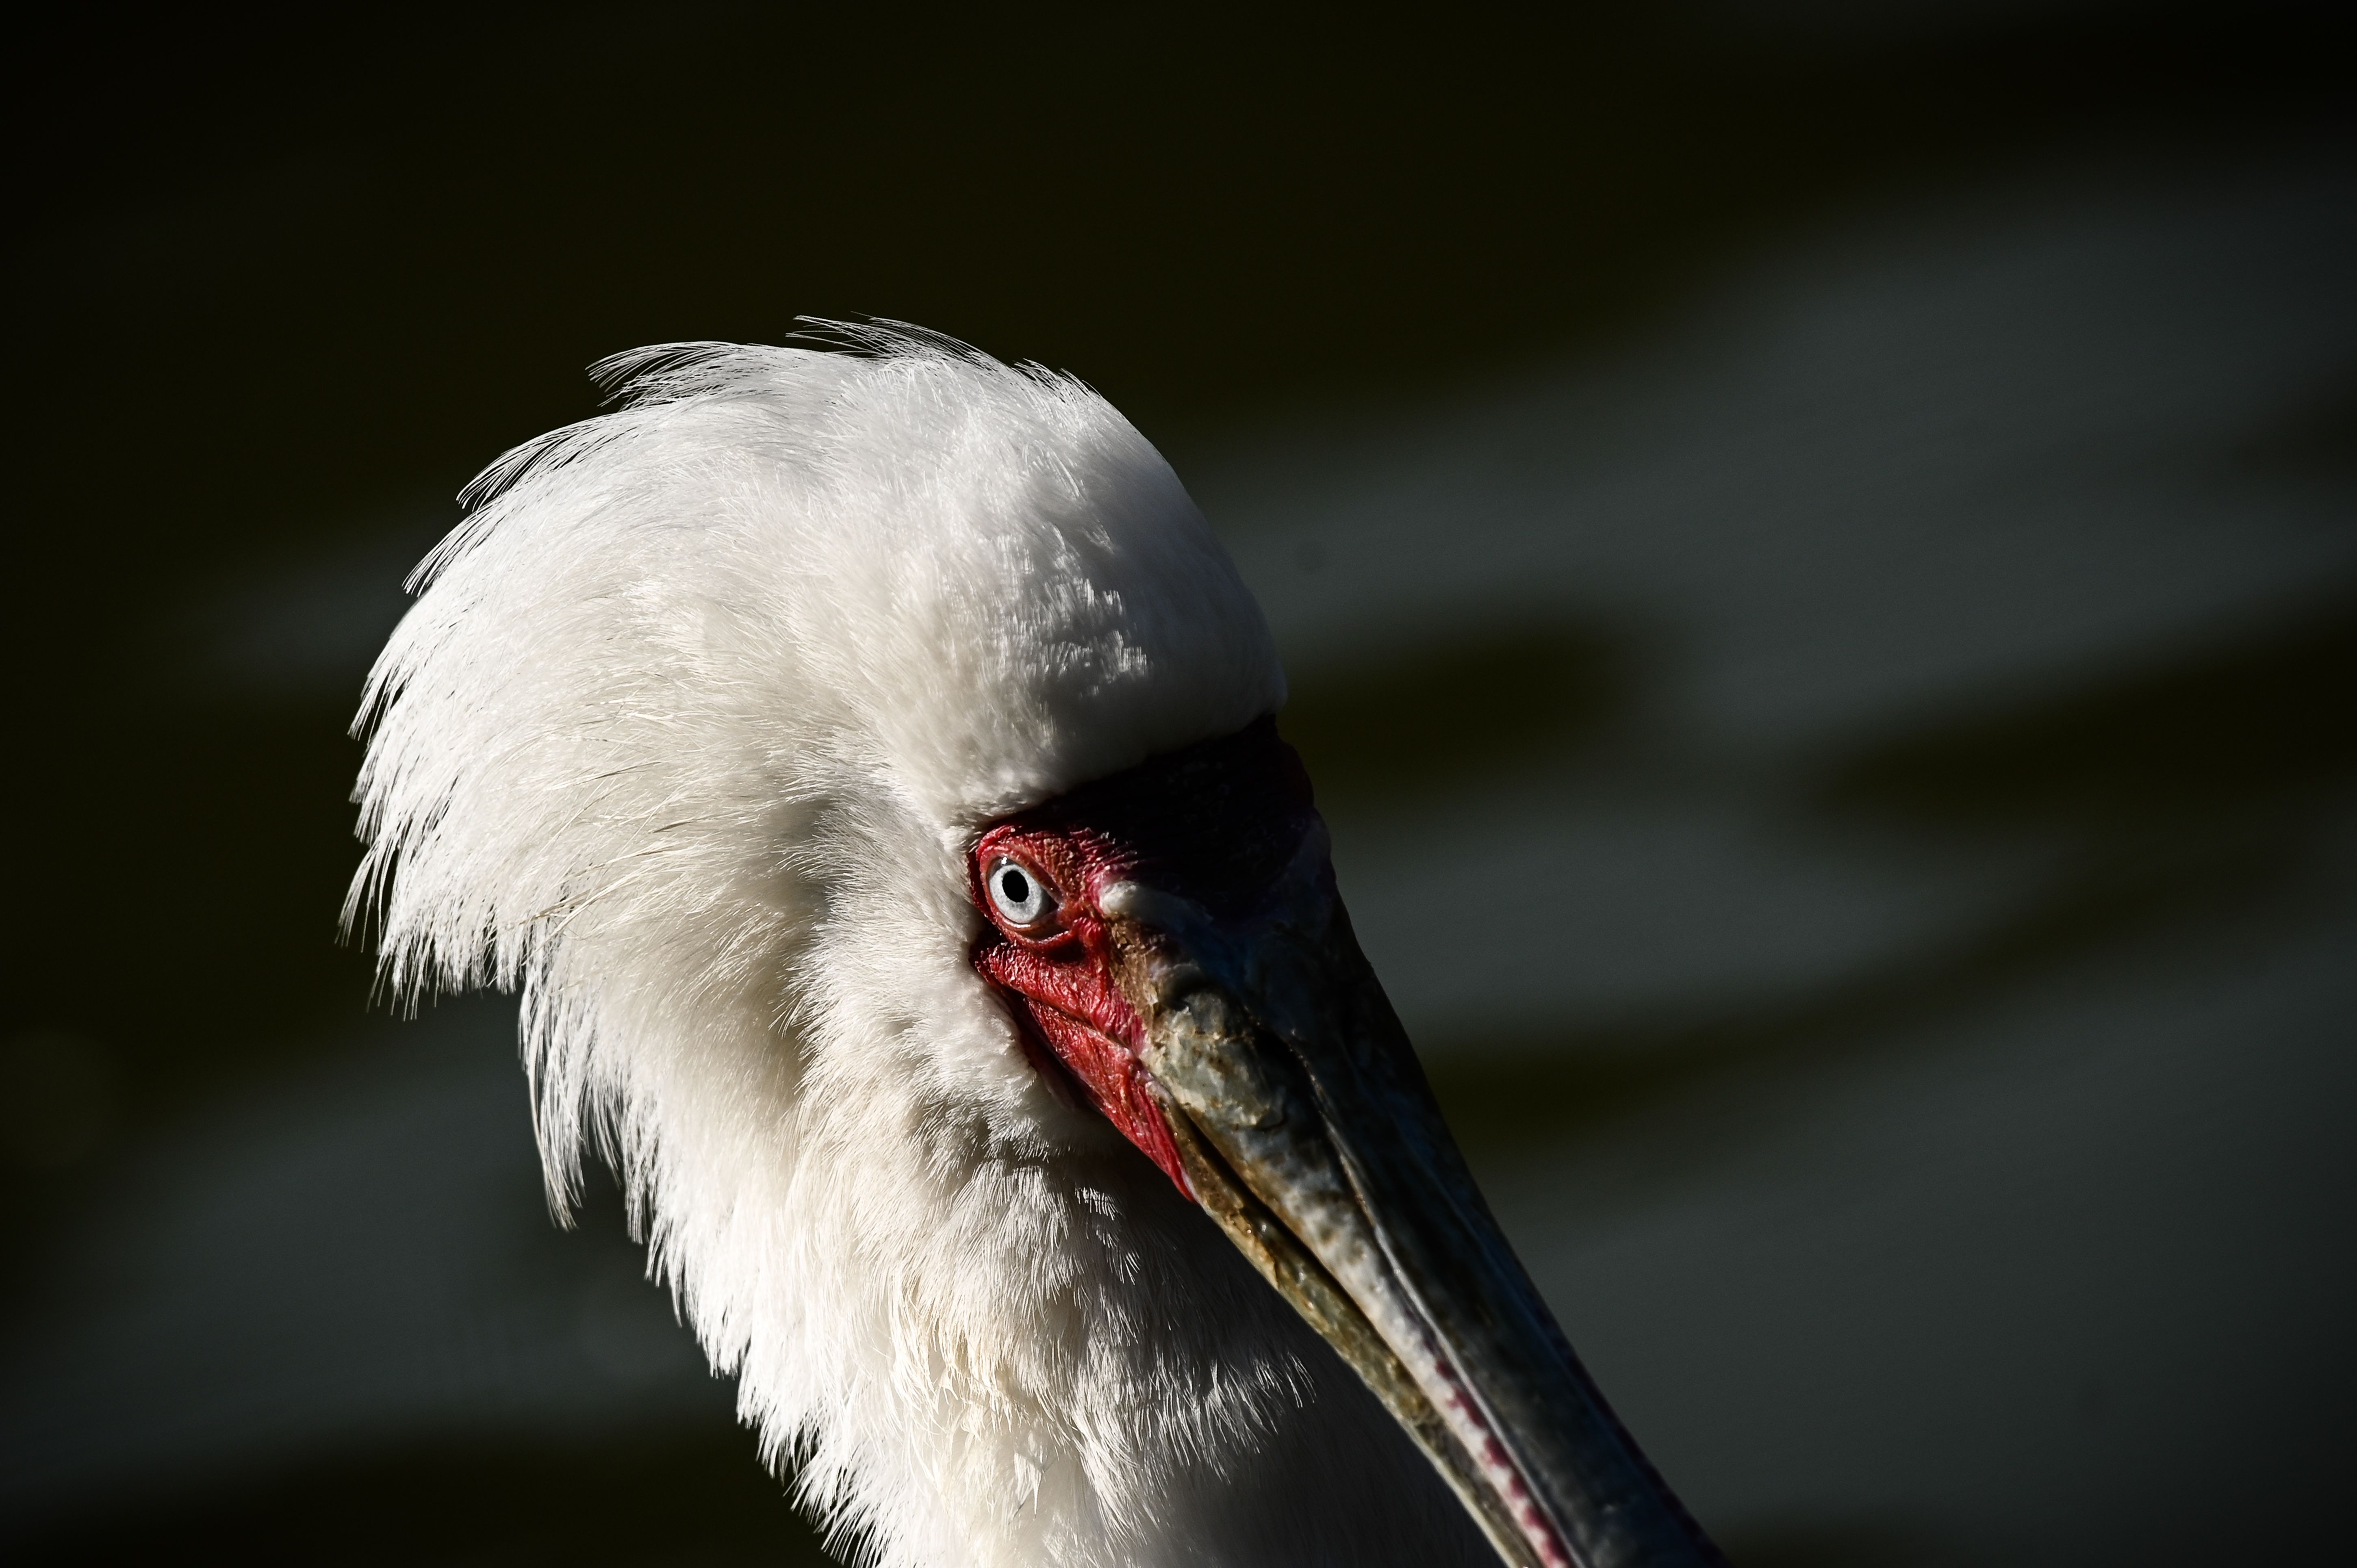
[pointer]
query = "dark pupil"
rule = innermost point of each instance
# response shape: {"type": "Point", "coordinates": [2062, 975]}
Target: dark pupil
{"type": "Point", "coordinates": [1014, 884]}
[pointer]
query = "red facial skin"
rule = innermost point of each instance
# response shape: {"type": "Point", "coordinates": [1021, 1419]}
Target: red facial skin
{"type": "Point", "coordinates": [1057, 973]}
{"type": "Point", "coordinates": [1216, 822]}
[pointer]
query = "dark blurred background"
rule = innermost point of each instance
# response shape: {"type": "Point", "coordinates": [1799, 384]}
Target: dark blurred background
{"type": "Point", "coordinates": [1818, 548]}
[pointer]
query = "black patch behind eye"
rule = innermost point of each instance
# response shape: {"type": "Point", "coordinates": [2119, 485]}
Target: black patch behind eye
{"type": "Point", "coordinates": [1216, 822]}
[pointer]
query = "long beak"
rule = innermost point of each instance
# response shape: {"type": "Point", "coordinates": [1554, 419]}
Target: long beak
{"type": "Point", "coordinates": [1307, 1130]}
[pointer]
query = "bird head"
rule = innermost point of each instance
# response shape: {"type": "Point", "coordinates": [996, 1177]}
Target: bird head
{"type": "Point", "coordinates": [863, 764]}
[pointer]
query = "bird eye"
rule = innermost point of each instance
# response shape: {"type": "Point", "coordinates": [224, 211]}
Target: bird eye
{"type": "Point", "coordinates": [1021, 896]}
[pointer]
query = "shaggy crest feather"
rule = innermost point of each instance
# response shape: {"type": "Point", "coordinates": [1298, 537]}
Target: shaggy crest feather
{"type": "Point", "coordinates": [685, 740]}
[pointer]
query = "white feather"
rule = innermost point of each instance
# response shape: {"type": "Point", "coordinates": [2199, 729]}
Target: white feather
{"type": "Point", "coordinates": [687, 739]}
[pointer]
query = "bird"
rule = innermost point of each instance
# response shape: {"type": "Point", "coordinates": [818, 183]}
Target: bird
{"type": "Point", "coordinates": [862, 760]}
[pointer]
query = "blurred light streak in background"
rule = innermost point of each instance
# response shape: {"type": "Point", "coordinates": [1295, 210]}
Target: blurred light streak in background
{"type": "Point", "coordinates": [1819, 563]}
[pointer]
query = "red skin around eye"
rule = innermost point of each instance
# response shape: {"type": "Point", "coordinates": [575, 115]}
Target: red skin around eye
{"type": "Point", "coordinates": [1057, 976]}
{"type": "Point", "coordinates": [1216, 822]}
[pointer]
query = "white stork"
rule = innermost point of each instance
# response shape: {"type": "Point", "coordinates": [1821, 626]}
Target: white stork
{"type": "Point", "coordinates": [861, 760]}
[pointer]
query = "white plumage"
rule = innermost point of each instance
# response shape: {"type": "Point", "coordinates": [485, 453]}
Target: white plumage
{"type": "Point", "coordinates": [688, 738]}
